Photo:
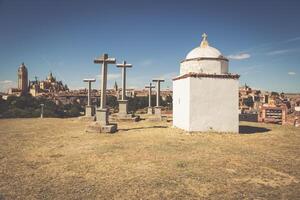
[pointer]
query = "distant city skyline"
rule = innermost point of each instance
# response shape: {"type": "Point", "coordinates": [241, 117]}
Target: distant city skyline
{"type": "Point", "coordinates": [260, 38]}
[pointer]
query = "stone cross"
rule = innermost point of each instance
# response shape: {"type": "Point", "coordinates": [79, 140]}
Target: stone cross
{"type": "Point", "coordinates": [204, 36]}
{"type": "Point", "coordinates": [158, 90]}
{"type": "Point", "coordinates": [204, 42]}
{"type": "Point", "coordinates": [89, 89]}
{"type": "Point", "coordinates": [104, 60]}
{"type": "Point", "coordinates": [42, 110]}
{"type": "Point", "coordinates": [124, 65]}
{"type": "Point", "coordinates": [150, 92]}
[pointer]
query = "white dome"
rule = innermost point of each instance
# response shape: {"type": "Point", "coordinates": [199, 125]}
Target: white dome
{"type": "Point", "coordinates": [204, 50]}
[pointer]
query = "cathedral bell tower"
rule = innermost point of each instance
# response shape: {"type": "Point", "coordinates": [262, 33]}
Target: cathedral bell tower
{"type": "Point", "coordinates": [23, 79]}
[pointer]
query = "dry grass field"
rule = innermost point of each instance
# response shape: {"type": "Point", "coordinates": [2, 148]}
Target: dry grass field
{"type": "Point", "coordinates": [56, 159]}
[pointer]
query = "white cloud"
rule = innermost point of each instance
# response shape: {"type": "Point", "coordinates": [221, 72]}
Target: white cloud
{"type": "Point", "coordinates": [239, 56]}
{"type": "Point", "coordinates": [278, 52]}
{"type": "Point", "coordinates": [291, 73]}
{"type": "Point", "coordinates": [6, 82]}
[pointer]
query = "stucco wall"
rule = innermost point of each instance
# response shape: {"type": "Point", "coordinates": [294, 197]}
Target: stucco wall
{"type": "Point", "coordinates": [181, 111]}
{"type": "Point", "coordinates": [204, 66]}
{"type": "Point", "coordinates": [212, 104]}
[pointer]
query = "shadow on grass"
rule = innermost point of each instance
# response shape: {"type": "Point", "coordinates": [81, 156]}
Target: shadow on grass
{"type": "Point", "coordinates": [252, 129]}
{"type": "Point", "coordinates": [137, 128]}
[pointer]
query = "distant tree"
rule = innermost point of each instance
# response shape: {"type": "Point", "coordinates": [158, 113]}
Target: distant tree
{"type": "Point", "coordinates": [274, 94]}
{"type": "Point", "coordinates": [248, 102]}
{"type": "Point", "coordinates": [28, 106]}
{"type": "Point", "coordinates": [112, 101]}
{"type": "Point", "coordinates": [3, 106]}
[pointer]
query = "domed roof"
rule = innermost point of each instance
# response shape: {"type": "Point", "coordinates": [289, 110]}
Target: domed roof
{"type": "Point", "coordinates": [204, 50]}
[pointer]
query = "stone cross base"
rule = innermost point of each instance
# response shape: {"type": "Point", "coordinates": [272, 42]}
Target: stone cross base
{"type": "Point", "coordinates": [96, 127]}
{"type": "Point", "coordinates": [102, 116]}
{"type": "Point", "coordinates": [157, 110]}
{"type": "Point", "coordinates": [155, 118]}
{"type": "Point", "coordinates": [89, 111]}
{"type": "Point", "coordinates": [125, 117]}
{"type": "Point", "coordinates": [123, 107]}
{"type": "Point", "coordinates": [87, 119]}
{"type": "Point", "coordinates": [150, 110]}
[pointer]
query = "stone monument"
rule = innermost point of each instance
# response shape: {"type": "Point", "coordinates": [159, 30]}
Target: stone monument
{"type": "Point", "coordinates": [157, 109]}
{"type": "Point", "coordinates": [42, 111]}
{"type": "Point", "coordinates": [102, 123]}
{"type": "Point", "coordinates": [205, 94]}
{"type": "Point", "coordinates": [123, 103]}
{"type": "Point", "coordinates": [89, 108]}
{"type": "Point", "coordinates": [150, 108]}
{"type": "Point", "coordinates": [123, 114]}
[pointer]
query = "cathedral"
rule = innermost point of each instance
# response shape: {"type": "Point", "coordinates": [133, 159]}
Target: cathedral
{"type": "Point", "coordinates": [205, 94]}
{"type": "Point", "coordinates": [50, 85]}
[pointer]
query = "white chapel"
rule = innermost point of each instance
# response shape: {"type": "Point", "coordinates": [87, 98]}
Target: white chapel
{"type": "Point", "coordinates": [205, 94]}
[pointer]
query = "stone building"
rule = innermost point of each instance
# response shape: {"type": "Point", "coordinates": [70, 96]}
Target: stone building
{"type": "Point", "coordinates": [49, 85]}
{"type": "Point", "coordinates": [205, 94]}
{"type": "Point", "coordinates": [22, 88]}
{"type": "Point", "coordinates": [23, 79]}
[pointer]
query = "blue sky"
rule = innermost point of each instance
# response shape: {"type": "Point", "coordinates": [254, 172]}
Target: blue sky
{"type": "Point", "coordinates": [261, 38]}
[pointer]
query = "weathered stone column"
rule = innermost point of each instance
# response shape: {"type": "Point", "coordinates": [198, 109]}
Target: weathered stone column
{"type": "Point", "coordinates": [150, 108]}
{"type": "Point", "coordinates": [89, 109]}
{"type": "Point", "coordinates": [123, 103]}
{"type": "Point", "coordinates": [158, 108]}
{"type": "Point", "coordinates": [102, 123]}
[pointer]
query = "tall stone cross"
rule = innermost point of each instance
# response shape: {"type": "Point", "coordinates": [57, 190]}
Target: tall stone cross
{"type": "Point", "coordinates": [150, 92]}
{"type": "Point", "coordinates": [158, 90]}
{"type": "Point", "coordinates": [89, 89]}
{"type": "Point", "coordinates": [124, 65]}
{"type": "Point", "coordinates": [104, 60]}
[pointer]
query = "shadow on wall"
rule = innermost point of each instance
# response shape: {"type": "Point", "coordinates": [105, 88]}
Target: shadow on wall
{"type": "Point", "coordinates": [252, 129]}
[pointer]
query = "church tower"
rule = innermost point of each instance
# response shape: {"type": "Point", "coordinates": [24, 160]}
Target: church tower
{"type": "Point", "coordinates": [23, 79]}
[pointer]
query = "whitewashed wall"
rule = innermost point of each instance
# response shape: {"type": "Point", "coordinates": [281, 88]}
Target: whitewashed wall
{"type": "Point", "coordinates": [206, 104]}
{"type": "Point", "coordinates": [204, 66]}
{"type": "Point", "coordinates": [181, 103]}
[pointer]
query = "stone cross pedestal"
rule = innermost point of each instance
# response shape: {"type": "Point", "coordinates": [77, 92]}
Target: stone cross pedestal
{"type": "Point", "coordinates": [89, 108]}
{"type": "Point", "coordinates": [157, 109]}
{"type": "Point", "coordinates": [123, 102]}
{"type": "Point", "coordinates": [150, 108]}
{"type": "Point", "coordinates": [102, 123]}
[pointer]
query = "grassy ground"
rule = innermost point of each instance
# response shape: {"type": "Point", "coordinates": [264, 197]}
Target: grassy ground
{"type": "Point", "coordinates": [55, 159]}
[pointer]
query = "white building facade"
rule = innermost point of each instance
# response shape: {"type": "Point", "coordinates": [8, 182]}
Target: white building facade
{"type": "Point", "coordinates": [205, 95]}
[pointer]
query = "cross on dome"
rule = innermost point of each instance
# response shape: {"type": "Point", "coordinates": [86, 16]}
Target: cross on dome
{"type": "Point", "coordinates": [204, 42]}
